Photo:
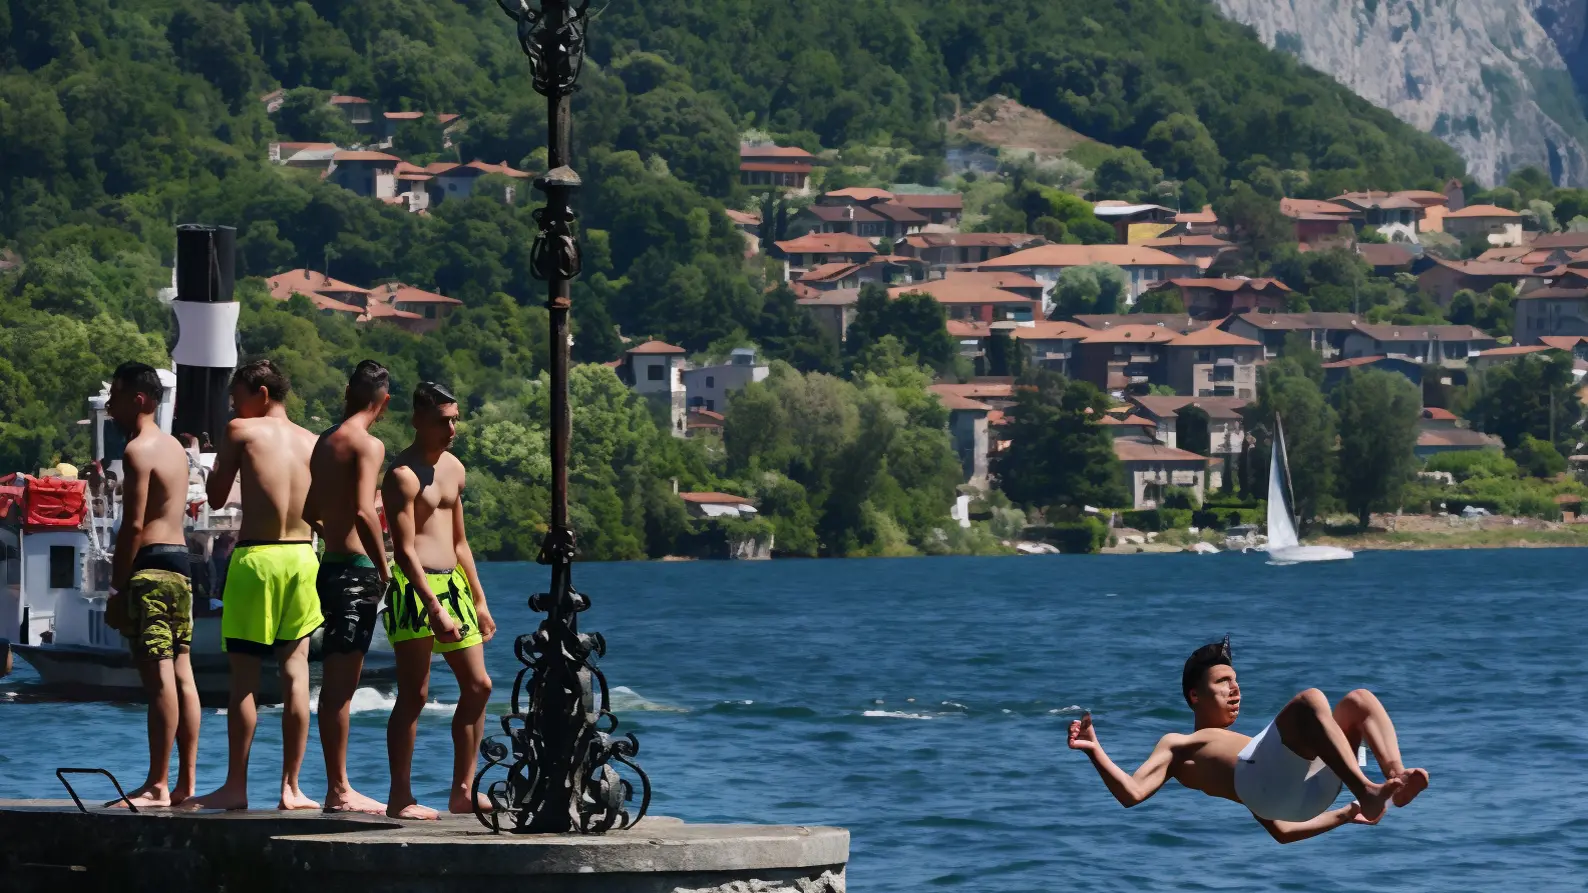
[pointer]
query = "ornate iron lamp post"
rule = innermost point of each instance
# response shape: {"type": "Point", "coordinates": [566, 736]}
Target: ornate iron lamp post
{"type": "Point", "coordinates": [561, 753]}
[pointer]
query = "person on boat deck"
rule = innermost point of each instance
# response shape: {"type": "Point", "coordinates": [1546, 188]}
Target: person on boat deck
{"type": "Point", "coordinates": [435, 603]}
{"type": "Point", "coordinates": [151, 597]}
{"type": "Point", "coordinates": [270, 599]}
{"type": "Point", "coordinates": [1289, 775]}
{"type": "Point", "coordinates": [345, 468]}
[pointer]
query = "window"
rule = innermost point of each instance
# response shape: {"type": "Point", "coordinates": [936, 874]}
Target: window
{"type": "Point", "coordinates": [711, 406]}
{"type": "Point", "coordinates": [63, 567]}
{"type": "Point", "coordinates": [1204, 355]}
{"type": "Point", "coordinates": [711, 381]}
{"type": "Point", "coordinates": [653, 373]}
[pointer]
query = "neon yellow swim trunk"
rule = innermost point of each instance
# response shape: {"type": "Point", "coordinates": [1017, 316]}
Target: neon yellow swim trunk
{"type": "Point", "coordinates": [270, 598]}
{"type": "Point", "coordinates": [406, 618]}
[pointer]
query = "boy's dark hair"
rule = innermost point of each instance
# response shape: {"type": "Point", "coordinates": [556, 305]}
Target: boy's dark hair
{"type": "Point", "coordinates": [263, 374]}
{"type": "Point", "coordinates": [430, 395]}
{"type": "Point", "coordinates": [140, 378]}
{"type": "Point", "coordinates": [368, 381]}
{"type": "Point", "coordinates": [1201, 660]}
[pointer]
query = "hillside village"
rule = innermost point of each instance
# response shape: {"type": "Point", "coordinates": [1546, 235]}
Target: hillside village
{"type": "Point", "coordinates": [999, 290]}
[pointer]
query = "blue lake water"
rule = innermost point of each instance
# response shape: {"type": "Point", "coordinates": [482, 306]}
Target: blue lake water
{"type": "Point", "coordinates": [923, 704]}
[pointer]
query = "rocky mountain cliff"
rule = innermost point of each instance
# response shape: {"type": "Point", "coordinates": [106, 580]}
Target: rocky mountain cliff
{"type": "Point", "coordinates": [1499, 80]}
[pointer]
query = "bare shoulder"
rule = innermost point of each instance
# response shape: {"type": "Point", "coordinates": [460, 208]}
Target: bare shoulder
{"type": "Point", "coordinates": [239, 430]}
{"type": "Point", "coordinates": [370, 445]}
{"type": "Point", "coordinates": [400, 478]}
{"type": "Point", "coordinates": [453, 467]}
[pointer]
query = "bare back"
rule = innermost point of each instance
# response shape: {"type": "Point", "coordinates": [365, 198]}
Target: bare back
{"type": "Point", "coordinates": [165, 492]}
{"type": "Point", "coordinates": [1205, 760]}
{"type": "Point", "coordinates": [439, 488]}
{"type": "Point", "coordinates": [272, 455]}
{"type": "Point", "coordinates": [346, 459]}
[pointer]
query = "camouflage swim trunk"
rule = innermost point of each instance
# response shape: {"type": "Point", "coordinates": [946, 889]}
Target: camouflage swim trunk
{"type": "Point", "coordinates": [156, 615]}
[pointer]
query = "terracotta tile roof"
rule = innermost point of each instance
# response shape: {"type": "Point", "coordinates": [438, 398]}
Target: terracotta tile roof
{"type": "Point", "coordinates": [1298, 321]}
{"type": "Point", "coordinates": [1481, 211]}
{"type": "Point", "coordinates": [837, 213]}
{"type": "Point", "coordinates": [378, 310]}
{"type": "Point", "coordinates": [1457, 437]}
{"type": "Point", "coordinates": [1568, 240]}
{"type": "Point", "coordinates": [956, 403]}
{"type": "Point", "coordinates": [1391, 333]}
{"type": "Point", "coordinates": [715, 499]}
{"type": "Point", "coordinates": [325, 302]}
{"type": "Point", "coordinates": [1486, 268]}
{"type": "Point", "coordinates": [1049, 330]}
{"type": "Point", "coordinates": [441, 167]}
{"type": "Point", "coordinates": [1424, 197]}
{"type": "Point", "coordinates": [703, 418]}
{"type": "Point", "coordinates": [969, 240]}
{"type": "Point", "coordinates": [360, 155]}
{"type": "Point", "coordinates": [1204, 216]}
{"type": "Point", "coordinates": [989, 390]}
{"type": "Point", "coordinates": [655, 347]}
{"type": "Point", "coordinates": [448, 117]}
{"type": "Point", "coordinates": [829, 272]}
{"type": "Point", "coordinates": [1213, 337]}
{"type": "Point", "coordinates": [1387, 200]}
{"type": "Point", "coordinates": [743, 218]}
{"type": "Point", "coordinates": [1187, 242]}
{"type": "Point", "coordinates": [838, 297]}
{"type": "Point", "coordinates": [1514, 350]}
{"type": "Point", "coordinates": [860, 194]}
{"type": "Point", "coordinates": [1174, 322]}
{"type": "Point", "coordinates": [930, 201]}
{"type": "Point", "coordinates": [954, 291]}
{"type": "Point", "coordinates": [403, 116]}
{"type": "Point", "coordinates": [398, 293]}
{"type": "Point", "coordinates": [1306, 207]}
{"type": "Point", "coordinates": [1222, 408]}
{"type": "Point", "coordinates": [1131, 334]}
{"type": "Point", "coordinates": [1554, 293]}
{"type": "Point", "coordinates": [348, 100]}
{"type": "Point", "coordinates": [748, 151]}
{"type": "Point", "coordinates": [1515, 253]}
{"type": "Point", "coordinates": [994, 278]}
{"type": "Point", "coordinates": [897, 213]}
{"type": "Point", "coordinates": [1081, 255]}
{"type": "Point", "coordinates": [1136, 451]}
{"type": "Point", "coordinates": [1228, 285]}
{"type": "Point", "coordinates": [307, 283]}
{"type": "Point", "coordinates": [826, 243]}
{"type": "Point", "coordinates": [1129, 420]}
{"type": "Point", "coordinates": [1354, 362]}
{"type": "Point", "coordinates": [1438, 414]}
{"type": "Point", "coordinates": [1563, 342]}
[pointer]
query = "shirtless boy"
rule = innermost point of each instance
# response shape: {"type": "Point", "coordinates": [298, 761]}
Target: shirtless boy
{"type": "Point", "coordinates": [270, 601]}
{"type": "Point", "coordinates": [345, 468]}
{"type": "Point", "coordinates": [151, 599]}
{"type": "Point", "coordinates": [435, 603]}
{"type": "Point", "coordinates": [1289, 775]}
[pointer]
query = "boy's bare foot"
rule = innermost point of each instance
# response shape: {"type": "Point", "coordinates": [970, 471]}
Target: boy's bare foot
{"type": "Point", "coordinates": [1376, 798]}
{"type": "Point", "coordinates": [292, 798]}
{"type": "Point", "coordinates": [150, 796]}
{"type": "Point", "coordinates": [227, 796]}
{"type": "Point", "coordinates": [459, 804]}
{"type": "Point", "coordinates": [181, 795]}
{"type": "Point", "coordinates": [412, 812]}
{"type": "Point", "coordinates": [352, 801]}
{"type": "Point", "coordinates": [1415, 782]}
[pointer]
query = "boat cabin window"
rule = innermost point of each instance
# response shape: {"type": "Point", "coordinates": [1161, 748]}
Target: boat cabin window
{"type": "Point", "coordinates": [63, 567]}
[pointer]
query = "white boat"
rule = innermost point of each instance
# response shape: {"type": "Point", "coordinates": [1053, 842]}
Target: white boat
{"type": "Point", "coordinates": [1284, 547]}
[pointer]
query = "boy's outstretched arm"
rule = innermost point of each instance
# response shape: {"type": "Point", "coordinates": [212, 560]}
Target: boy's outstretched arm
{"type": "Point", "coordinates": [1290, 832]}
{"type": "Point", "coordinates": [1127, 789]}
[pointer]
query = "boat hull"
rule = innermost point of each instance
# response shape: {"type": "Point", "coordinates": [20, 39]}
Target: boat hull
{"type": "Point", "coordinates": [109, 674]}
{"type": "Point", "coordinates": [1304, 554]}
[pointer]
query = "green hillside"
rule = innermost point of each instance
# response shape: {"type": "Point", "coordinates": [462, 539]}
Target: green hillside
{"type": "Point", "coordinates": [120, 118]}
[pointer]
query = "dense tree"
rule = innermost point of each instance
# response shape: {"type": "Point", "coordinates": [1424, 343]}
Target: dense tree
{"type": "Point", "coordinates": [1094, 288]}
{"type": "Point", "coordinates": [1159, 300]}
{"type": "Point", "coordinates": [1126, 174]}
{"type": "Point", "coordinates": [1058, 453]}
{"type": "Point", "coordinates": [1287, 392]}
{"type": "Point", "coordinates": [1532, 396]}
{"type": "Point", "coordinates": [1378, 413]}
{"type": "Point", "coordinates": [1256, 225]}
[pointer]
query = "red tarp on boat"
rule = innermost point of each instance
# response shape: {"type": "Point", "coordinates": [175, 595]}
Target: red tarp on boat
{"type": "Point", "coordinates": [54, 503]}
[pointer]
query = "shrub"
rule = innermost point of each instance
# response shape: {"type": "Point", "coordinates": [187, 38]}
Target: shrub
{"type": "Point", "coordinates": [1157, 519]}
{"type": "Point", "coordinates": [1077, 537]}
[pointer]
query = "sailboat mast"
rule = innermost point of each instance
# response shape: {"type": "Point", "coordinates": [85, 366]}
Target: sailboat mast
{"type": "Point", "coordinates": [1284, 464]}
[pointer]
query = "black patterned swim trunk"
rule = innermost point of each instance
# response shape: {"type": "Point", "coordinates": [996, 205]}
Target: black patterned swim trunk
{"type": "Point", "coordinates": [350, 598]}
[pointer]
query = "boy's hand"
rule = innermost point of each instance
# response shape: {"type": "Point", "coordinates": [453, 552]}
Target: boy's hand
{"type": "Point", "coordinates": [1082, 736]}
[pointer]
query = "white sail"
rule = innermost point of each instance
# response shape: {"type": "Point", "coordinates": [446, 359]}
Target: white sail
{"type": "Point", "coordinates": [1281, 529]}
{"type": "Point", "coordinates": [1284, 547]}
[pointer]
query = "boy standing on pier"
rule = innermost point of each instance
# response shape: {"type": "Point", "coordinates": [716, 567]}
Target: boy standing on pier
{"type": "Point", "coordinates": [435, 603]}
{"type": "Point", "coordinates": [345, 468]}
{"type": "Point", "coordinates": [271, 605]}
{"type": "Point", "coordinates": [151, 600]}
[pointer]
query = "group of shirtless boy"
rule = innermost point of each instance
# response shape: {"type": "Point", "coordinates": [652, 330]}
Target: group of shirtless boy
{"type": "Point", "coordinates": [296, 486]}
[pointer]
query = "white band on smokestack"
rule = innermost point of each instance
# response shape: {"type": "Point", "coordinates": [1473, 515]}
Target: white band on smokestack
{"type": "Point", "coordinates": [206, 334]}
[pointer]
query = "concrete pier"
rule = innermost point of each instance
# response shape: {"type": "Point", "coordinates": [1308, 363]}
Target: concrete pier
{"type": "Point", "coordinates": [48, 846]}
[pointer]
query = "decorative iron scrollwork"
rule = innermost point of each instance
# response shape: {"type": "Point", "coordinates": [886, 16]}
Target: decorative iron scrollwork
{"type": "Point", "coordinates": [558, 74]}
{"type": "Point", "coordinates": [555, 253]}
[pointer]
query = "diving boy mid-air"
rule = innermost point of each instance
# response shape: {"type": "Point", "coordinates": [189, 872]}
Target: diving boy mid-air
{"type": "Point", "coordinates": [1289, 775]}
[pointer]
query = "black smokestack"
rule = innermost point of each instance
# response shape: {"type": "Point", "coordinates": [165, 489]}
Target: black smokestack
{"type": "Point", "coordinates": [206, 344]}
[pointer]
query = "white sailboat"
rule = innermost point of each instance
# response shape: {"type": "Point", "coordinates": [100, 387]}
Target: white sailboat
{"type": "Point", "coordinates": [1284, 547]}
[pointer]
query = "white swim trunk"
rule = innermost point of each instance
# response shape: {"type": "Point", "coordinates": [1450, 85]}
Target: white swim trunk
{"type": "Point", "coordinates": [1274, 783]}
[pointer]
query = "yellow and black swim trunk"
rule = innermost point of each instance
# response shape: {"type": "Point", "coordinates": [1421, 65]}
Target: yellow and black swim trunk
{"type": "Point", "coordinates": [270, 598]}
{"type": "Point", "coordinates": [156, 611]}
{"type": "Point", "coordinates": [405, 611]}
